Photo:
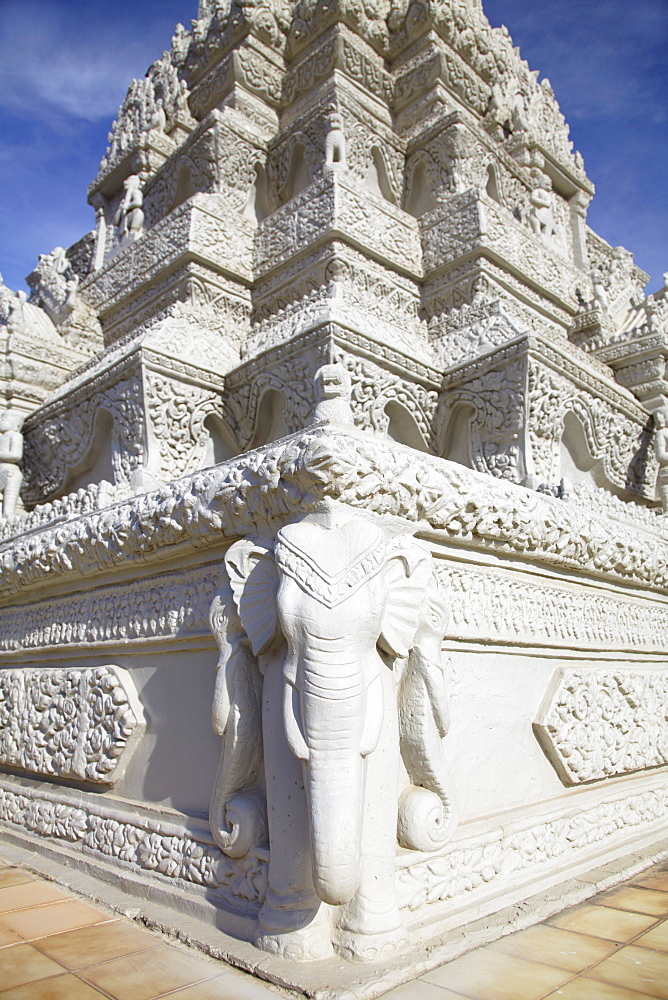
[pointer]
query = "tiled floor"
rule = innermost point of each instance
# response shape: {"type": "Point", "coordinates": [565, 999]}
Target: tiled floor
{"type": "Point", "coordinates": [53, 946]}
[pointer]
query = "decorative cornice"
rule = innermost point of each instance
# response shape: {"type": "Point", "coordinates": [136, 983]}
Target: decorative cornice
{"type": "Point", "coordinates": [265, 487]}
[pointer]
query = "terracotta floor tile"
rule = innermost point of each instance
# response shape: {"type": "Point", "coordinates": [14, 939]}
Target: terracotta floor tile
{"type": "Point", "coordinates": [603, 922]}
{"type": "Point", "coordinates": [554, 946]}
{"type": "Point", "coordinates": [657, 880]}
{"type": "Point", "coordinates": [233, 987]}
{"type": "Point", "coordinates": [149, 974]}
{"type": "Point", "coordinates": [657, 938]}
{"type": "Point", "coordinates": [8, 937]}
{"type": "Point", "coordinates": [60, 988]}
{"type": "Point", "coordinates": [638, 899]}
{"type": "Point", "coordinates": [53, 918]}
{"type": "Point", "coordinates": [421, 990]}
{"type": "Point", "coordinates": [95, 944]}
{"type": "Point", "coordinates": [636, 969]}
{"type": "Point", "coordinates": [14, 876]}
{"type": "Point", "coordinates": [238, 986]}
{"type": "Point", "coordinates": [490, 975]}
{"type": "Point", "coordinates": [583, 989]}
{"type": "Point", "coordinates": [21, 963]}
{"type": "Point", "coordinates": [18, 897]}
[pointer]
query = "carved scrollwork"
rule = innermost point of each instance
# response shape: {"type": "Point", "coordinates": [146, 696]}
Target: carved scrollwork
{"type": "Point", "coordinates": [177, 412]}
{"type": "Point", "coordinates": [618, 443]}
{"type": "Point", "coordinates": [64, 723]}
{"type": "Point", "coordinates": [598, 723]}
{"type": "Point", "coordinates": [61, 441]}
{"type": "Point", "coordinates": [374, 389]}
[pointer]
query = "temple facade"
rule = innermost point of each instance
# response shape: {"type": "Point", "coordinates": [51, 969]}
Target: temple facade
{"type": "Point", "coordinates": [334, 469]}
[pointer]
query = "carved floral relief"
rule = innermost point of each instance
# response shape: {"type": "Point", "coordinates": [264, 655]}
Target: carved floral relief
{"type": "Point", "coordinates": [68, 723]}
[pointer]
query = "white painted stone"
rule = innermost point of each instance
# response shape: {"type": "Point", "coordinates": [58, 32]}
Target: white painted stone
{"type": "Point", "coordinates": [344, 387]}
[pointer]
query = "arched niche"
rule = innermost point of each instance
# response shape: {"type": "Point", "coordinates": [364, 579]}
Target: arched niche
{"type": "Point", "coordinates": [299, 175]}
{"type": "Point", "coordinates": [270, 424]}
{"type": "Point", "coordinates": [185, 187]}
{"type": "Point", "coordinates": [456, 440]}
{"type": "Point", "coordinates": [220, 444]}
{"type": "Point", "coordinates": [97, 464]}
{"type": "Point", "coordinates": [402, 426]}
{"type": "Point", "coordinates": [576, 463]}
{"type": "Point", "coordinates": [258, 203]}
{"type": "Point", "coordinates": [420, 199]}
{"type": "Point", "coordinates": [376, 180]}
{"type": "Point", "coordinates": [492, 187]}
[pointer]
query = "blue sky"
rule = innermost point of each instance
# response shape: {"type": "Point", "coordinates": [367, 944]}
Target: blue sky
{"type": "Point", "coordinates": [65, 66]}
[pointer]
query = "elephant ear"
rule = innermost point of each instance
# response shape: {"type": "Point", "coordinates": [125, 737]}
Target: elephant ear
{"type": "Point", "coordinates": [226, 627]}
{"type": "Point", "coordinates": [254, 581]}
{"type": "Point", "coordinates": [407, 572]}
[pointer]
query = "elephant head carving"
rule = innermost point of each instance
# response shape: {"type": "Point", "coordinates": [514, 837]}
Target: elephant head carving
{"type": "Point", "coordinates": [338, 600]}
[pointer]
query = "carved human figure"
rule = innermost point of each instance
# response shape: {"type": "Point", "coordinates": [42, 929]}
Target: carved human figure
{"type": "Point", "coordinates": [129, 217]}
{"type": "Point", "coordinates": [541, 215]}
{"type": "Point", "coordinates": [11, 453]}
{"type": "Point", "coordinates": [331, 633]}
{"type": "Point", "coordinates": [600, 289]}
{"type": "Point", "coordinates": [159, 120]}
{"type": "Point", "coordinates": [661, 451]}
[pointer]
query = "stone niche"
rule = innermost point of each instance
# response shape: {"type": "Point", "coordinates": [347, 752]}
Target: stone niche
{"type": "Point", "coordinates": [334, 462]}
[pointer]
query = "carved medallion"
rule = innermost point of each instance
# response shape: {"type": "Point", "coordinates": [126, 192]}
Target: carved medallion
{"type": "Point", "coordinates": [75, 723]}
{"type": "Point", "coordinates": [597, 724]}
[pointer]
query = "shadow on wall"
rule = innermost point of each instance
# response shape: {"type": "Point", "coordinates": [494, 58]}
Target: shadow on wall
{"type": "Point", "coordinates": [577, 464]}
{"type": "Point", "coordinates": [456, 441]}
{"type": "Point", "coordinates": [97, 465]}
{"type": "Point", "coordinates": [220, 445]}
{"type": "Point", "coordinates": [175, 765]}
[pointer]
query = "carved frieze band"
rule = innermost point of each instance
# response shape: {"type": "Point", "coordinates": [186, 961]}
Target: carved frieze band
{"type": "Point", "coordinates": [596, 724]}
{"type": "Point", "coordinates": [138, 842]}
{"type": "Point", "coordinates": [463, 871]}
{"type": "Point", "coordinates": [170, 605]}
{"type": "Point", "coordinates": [288, 477]}
{"type": "Point", "coordinates": [468, 870]}
{"type": "Point", "coordinates": [68, 723]}
{"type": "Point", "coordinates": [489, 605]}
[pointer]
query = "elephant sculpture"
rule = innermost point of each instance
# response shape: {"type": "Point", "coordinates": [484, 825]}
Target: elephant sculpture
{"type": "Point", "coordinates": [330, 701]}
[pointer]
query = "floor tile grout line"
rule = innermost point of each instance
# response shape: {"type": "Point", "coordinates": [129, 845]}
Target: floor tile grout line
{"type": "Point", "coordinates": [657, 920]}
{"type": "Point", "coordinates": [42, 937]}
{"type": "Point", "coordinates": [620, 945]}
{"type": "Point", "coordinates": [93, 965]}
{"type": "Point", "coordinates": [158, 996]}
{"type": "Point", "coordinates": [620, 948]}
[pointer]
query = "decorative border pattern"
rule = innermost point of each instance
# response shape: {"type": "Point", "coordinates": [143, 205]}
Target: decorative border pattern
{"type": "Point", "coordinates": [142, 844]}
{"type": "Point", "coordinates": [500, 856]}
{"type": "Point", "coordinates": [165, 850]}
{"type": "Point", "coordinates": [488, 604]}
{"type": "Point", "coordinates": [269, 484]}
{"type": "Point", "coordinates": [159, 607]}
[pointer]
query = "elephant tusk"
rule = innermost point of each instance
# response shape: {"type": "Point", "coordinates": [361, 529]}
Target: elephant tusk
{"type": "Point", "coordinates": [373, 720]}
{"type": "Point", "coordinates": [292, 722]}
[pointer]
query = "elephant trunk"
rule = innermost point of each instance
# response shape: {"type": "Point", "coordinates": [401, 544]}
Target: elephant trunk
{"type": "Point", "coordinates": [335, 788]}
{"type": "Point", "coordinates": [331, 712]}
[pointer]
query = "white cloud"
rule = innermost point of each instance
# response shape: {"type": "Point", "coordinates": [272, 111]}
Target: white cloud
{"type": "Point", "coordinates": [58, 57]}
